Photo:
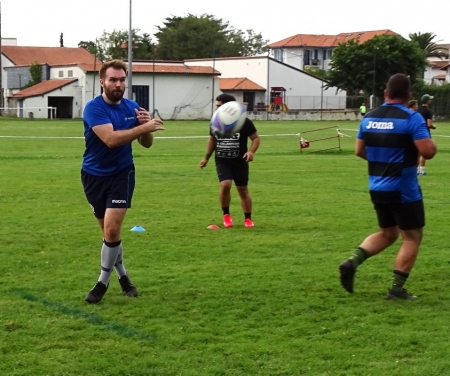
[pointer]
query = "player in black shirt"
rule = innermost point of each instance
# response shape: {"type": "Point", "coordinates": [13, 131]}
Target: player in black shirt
{"type": "Point", "coordinates": [425, 111]}
{"type": "Point", "coordinates": [232, 158]}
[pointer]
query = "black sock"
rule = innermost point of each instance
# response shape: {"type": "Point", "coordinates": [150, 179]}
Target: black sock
{"type": "Point", "coordinates": [359, 257]}
{"type": "Point", "coordinates": [399, 279]}
{"type": "Point", "coordinates": [248, 215]}
{"type": "Point", "coordinates": [226, 210]}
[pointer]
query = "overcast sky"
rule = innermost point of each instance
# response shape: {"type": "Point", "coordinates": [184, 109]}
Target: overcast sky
{"type": "Point", "coordinates": [40, 22]}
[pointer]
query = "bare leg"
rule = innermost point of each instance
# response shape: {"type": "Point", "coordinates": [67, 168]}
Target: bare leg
{"type": "Point", "coordinates": [246, 200]}
{"type": "Point", "coordinates": [380, 240]}
{"type": "Point", "coordinates": [224, 194]}
{"type": "Point", "coordinates": [407, 254]}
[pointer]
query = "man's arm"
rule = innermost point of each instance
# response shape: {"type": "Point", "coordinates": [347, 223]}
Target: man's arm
{"type": "Point", "coordinates": [113, 138]}
{"type": "Point", "coordinates": [426, 147]}
{"type": "Point", "coordinates": [360, 149]}
{"type": "Point", "coordinates": [210, 147]}
{"type": "Point", "coordinates": [253, 147]}
{"type": "Point", "coordinates": [430, 123]}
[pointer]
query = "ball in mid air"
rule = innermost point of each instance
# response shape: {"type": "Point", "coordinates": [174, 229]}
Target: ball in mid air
{"type": "Point", "coordinates": [228, 119]}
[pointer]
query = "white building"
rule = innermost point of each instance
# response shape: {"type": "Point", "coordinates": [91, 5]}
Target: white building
{"type": "Point", "coordinates": [315, 51]}
{"type": "Point", "coordinates": [70, 79]}
{"type": "Point", "coordinates": [270, 78]}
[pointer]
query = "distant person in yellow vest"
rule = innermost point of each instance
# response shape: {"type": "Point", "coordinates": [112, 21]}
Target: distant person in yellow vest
{"type": "Point", "coordinates": [362, 109]}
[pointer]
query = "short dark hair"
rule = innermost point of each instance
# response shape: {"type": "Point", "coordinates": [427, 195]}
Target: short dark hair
{"type": "Point", "coordinates": [412, 103]}
{"type": "Point", "coordinates": [399, 87]}
{"type": "Point", "coordinates": [224, 98]}
{"type": "Point", "coordinates": [116, 64]}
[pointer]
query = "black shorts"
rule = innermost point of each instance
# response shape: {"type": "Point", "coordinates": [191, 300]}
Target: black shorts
{"type": "Point", "coordinates": [114, 191]}
{"type": "Point", "coordinates": [233, 170]}
{"type": "Point", "coordinates": [407, 216]}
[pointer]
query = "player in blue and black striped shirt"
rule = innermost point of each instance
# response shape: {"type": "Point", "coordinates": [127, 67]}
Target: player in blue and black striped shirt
{"type": "Point", "coordinates": [390, 138]}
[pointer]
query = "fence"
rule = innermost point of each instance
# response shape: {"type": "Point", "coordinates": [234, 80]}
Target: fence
{"type": "Point", "coordinates": [29, 112]}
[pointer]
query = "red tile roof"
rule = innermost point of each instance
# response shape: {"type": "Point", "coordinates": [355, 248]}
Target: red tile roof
{"type": "Point", "coordinates": [440, 76]}
{"type": "Point", "coordinates": [445, 67]}
{"type": "Point", "coordinates": [174, 69]}
{"type": "Point", "coordinates": [311, 40]}
{"type": "Point", "coordinates": [26, 56]}
{"type": "Point", "coordinates": [228, 84]}
{"type": "Point", "coordinates": [438, 64]}
{"type": "Point", "coordinates": [42, 88]}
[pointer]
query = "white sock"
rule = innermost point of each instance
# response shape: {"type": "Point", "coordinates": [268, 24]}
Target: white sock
{"type": "Point", "coordinates": [108, 258]}
{"type": "Point", "coordinates": [120, 268]}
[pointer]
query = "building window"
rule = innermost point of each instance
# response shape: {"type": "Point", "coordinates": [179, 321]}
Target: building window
{"type": "Point", "coordinates": [306, 57]}
{"type": "Point", "coordinates": [330, 53]}
{"type": "Point", "coordinates": [60, 73]}
{"type": "Point", "coordinates": [70, 73]}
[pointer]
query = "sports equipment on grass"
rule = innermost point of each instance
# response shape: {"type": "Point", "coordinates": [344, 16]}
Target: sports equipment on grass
{"type": "Point", "coordinates": [228, 119]}
{"type": "Point", "coordinates": [328, 139]}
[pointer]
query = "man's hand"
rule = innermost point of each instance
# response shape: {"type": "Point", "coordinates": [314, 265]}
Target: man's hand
{"type": "Point", "coordinates": [142, 115]}
{"type": "Point", "coordinates": [248, 156]}
{"type": "Point", "coordinates": [203, 163]}
{"type": "Point", "coordinates": [153, 125]}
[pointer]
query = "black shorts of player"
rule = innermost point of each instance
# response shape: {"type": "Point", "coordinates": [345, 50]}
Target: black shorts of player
{"type": "Point", "coordinates": [114, 191]}
{"type": "Point", "coordinates": [407, 216]}
{"type": "Point", "coordinates": [232, 169]}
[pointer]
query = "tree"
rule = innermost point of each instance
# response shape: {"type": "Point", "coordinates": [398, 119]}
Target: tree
{"type": "Point", "coordinates": [205, 36]}
{"type": "Point", "coordinates": [426, 43]}
{"type": "Point", "coordinates": [369, 65]}
{"type": "Point", "coordinates": [114, 45]}
{"type": "Point", "coordinates": [93, 48]}
{"type": "Point", "coordinates": [36, 75]}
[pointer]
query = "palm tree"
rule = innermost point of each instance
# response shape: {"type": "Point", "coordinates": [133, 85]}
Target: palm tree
{"type": "Point", "coordinates": [427, 44]}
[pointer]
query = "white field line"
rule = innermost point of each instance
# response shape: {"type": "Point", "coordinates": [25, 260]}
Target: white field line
{"type": "Point", "coordinates": [159, 137]}
{"type": "Point", "coordinates": [186, 137]}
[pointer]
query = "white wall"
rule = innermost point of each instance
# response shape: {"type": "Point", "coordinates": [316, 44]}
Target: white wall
{"type": "Point", "coordinates": [76, 72]}
{"type": "Point", "coordinates": [32, 104]}
{"type": "Point", "coordinates": [297, 83]}
{"type": "Point", "coordinates": [5, 63]}
{"type": "Point", "coordinates": [180, 96]}
{"type": "Point", "coordinates": [254, 69]}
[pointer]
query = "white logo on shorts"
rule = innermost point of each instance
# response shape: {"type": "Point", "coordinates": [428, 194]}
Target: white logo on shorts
{"type": "Point", "coordinates": [119, 201]}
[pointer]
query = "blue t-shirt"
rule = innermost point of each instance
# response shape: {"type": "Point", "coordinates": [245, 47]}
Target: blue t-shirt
{"type": "Point", "coordinates": [389, 133]}
{"type": "Point", "coordinates": [98, 158]}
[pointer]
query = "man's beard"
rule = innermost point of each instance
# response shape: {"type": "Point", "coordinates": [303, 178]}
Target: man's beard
{"type": "Point", "coordinates": [114, 95]}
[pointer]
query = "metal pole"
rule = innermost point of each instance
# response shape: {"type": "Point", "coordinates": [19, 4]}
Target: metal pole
{"type": "Point", "coordinates": [95, 68]}
{"type": "Point", "coordinates": [130, 59]}
{"type": "Point", "coordinates": [153, 87]}
{"type": "Point", "coordinates": [268, 86]}
{"type": "Point", "coordinates": [1, 68]}
{"type": "Point", "coordinates": [213, 68]}
{"type": "Point", "coordinates": [321, 91]}
{"type": "Point", "coordinates": [373, 83]}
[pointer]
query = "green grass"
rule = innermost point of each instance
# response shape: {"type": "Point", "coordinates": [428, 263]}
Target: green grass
{"type": "Point", "coordinates": [261, 301]}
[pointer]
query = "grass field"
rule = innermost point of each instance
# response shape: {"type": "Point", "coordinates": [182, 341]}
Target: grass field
{"type": "Point", "coordinates": [261, 301]}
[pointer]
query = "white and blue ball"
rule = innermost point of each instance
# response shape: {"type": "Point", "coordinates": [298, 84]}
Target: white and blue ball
{"type": "Point", "coordinates": [228, 119]}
